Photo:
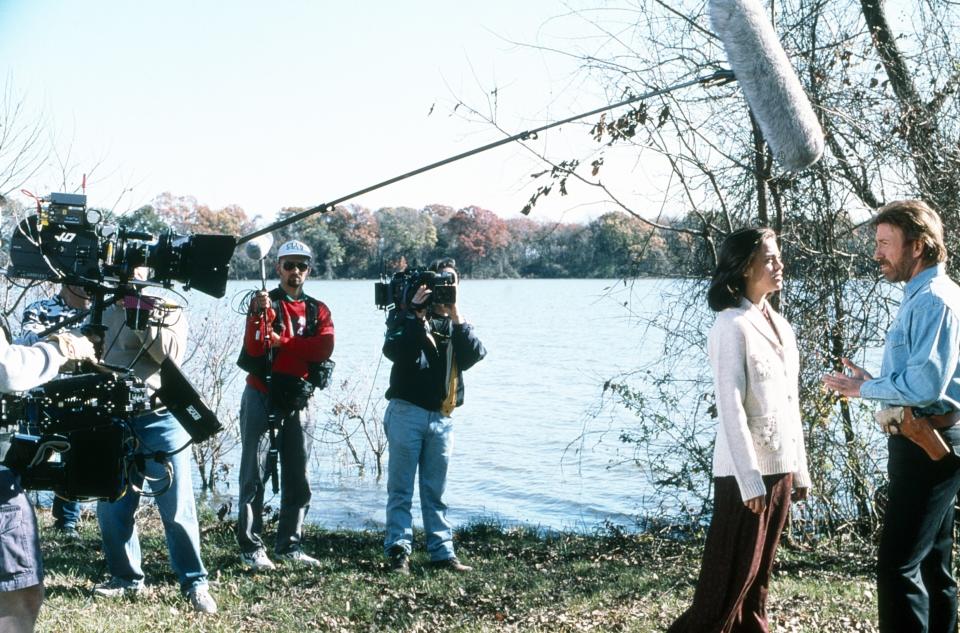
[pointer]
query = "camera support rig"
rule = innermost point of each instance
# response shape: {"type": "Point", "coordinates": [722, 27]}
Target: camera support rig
{"type": "Point", "coordinates": [85, 418]}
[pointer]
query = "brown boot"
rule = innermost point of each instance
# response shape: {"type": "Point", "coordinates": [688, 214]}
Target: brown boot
{"type": "Point", "coordinates": [451, 564]}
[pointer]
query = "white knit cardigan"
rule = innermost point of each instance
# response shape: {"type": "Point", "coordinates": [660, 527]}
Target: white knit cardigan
{"type": "Point", "coordinates": [756, 383]}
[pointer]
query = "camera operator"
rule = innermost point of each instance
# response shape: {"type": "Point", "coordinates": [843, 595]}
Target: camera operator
{"type": "Point", "coordinates": [287, 333]}
{"type": "Point", "coordinates": [21, 565]}
{"type": "Point", "coordinates": [140, 334]}
{"type": "Point", "coordinates": [431, 345]}
{"type": "Point", "coordinates": [37, 317]}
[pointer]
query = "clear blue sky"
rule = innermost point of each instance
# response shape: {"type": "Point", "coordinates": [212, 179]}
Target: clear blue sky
{"type": "Point", "coordinates": [294, 102]}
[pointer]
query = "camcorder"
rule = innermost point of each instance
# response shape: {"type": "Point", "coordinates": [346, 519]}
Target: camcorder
{"type": "Point", "coordinates": [73, 435]}
{"type": "Point", "coordinates": [399, 290]}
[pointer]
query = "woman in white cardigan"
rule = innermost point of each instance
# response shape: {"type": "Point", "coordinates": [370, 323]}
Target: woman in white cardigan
{"type": "Point", "coordinates": [759, 460]}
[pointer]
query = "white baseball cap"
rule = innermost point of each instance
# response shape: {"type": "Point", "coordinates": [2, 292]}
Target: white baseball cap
{"type": "Point", "coordinates": [294, 247]}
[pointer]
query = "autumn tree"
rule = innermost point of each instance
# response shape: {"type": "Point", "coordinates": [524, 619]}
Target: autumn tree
{"type": "Point", "coordinates": [408, 236]}
{"type": "Point", "coordinates": [359, 234]}
{"type": "Point", "coordinates": [477, 238]}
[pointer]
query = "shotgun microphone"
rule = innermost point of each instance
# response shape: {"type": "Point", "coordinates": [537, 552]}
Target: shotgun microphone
{"type": "Point", "coordinates": [769, 83]}
{"type": "Point", "coordinates": [258, 248]}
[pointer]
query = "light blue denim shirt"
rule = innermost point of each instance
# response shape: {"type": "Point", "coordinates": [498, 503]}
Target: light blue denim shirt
{"type": "Point", "coordinates": [921, 357]}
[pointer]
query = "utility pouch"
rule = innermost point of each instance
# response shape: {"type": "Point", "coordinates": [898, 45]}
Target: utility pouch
{"type": "Point", "coordinates": [289, 393]}
{"type": "Point", "coordinates": [319, 374]}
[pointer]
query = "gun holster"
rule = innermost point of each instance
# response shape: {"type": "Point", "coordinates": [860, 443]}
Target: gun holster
{"type": "Point", "coordinates": [901, 421]}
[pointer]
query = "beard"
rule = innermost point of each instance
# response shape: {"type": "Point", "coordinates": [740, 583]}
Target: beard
{"type": "Point", "coordinates": [896, 272]}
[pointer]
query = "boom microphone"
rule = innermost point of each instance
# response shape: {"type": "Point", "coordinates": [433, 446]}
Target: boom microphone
{"type": "Point", "coordinates": [769, 82]}
{"type": "Point", "coordinates": [257, 248]}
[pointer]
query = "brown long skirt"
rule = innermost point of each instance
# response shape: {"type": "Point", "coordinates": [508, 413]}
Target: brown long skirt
{"type": "Point", "coordinates": [731, 594]}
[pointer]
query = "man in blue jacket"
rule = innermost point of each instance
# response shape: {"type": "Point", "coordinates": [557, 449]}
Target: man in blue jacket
{"type": "Point", "coordinates": [431, 345]}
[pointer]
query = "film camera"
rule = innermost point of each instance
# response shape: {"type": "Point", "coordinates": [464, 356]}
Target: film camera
{"type": "Point", "coordinates": [66, 242]}
{"type": "Point", "coordinates": [403, 285]}
{"type": "Point", "coordinates": [74, 433]}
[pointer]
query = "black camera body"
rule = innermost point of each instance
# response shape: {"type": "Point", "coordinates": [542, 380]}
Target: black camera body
{"type": "Point", "coordinates": [66, 242]}
{"type": "Point", "coordinates": [403, 285]}
{"type": "Point", "coordinates": [73, 435]}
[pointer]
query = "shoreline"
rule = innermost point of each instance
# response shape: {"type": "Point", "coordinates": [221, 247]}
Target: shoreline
{"type": "Point", "coordinates": [608, 581]}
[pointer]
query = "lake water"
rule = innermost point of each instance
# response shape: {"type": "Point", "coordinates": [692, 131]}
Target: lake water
{"type": "Point", "coordinates": [520, 455]}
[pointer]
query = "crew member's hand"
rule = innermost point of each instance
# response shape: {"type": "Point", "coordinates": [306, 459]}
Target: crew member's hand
{"type": "Point", "coordinates": [847, 385]}
{"type": "Point", "coordinates": [74, 346]}
{"type": "Point", "coordinates": [419, 301]}
{"type": "Point", "coordinates": [800, 494]}
{"type": "Point", "coordinates": [260, 302]}
{"type": "Point", "coordinates": [757, 504]}
{"type": "Point", "coordinates": [449, 310]}
{"type": "Point", "coordinates": [274, 339]}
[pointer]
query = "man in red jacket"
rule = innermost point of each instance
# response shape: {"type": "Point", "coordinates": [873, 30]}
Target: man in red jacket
{"type": "Point", "coordinates": [288, 333]}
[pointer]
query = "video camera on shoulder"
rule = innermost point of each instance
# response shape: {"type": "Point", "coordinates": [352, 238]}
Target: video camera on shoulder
{"type": "Point", "coordinates": [403, 285]}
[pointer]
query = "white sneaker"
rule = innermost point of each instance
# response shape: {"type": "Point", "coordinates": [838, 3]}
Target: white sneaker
{"type": "Point", "coordinates": [201, 600]}
{"type": "Point", "coordinates": [298, 557]}
{"type": "Point", "coordinates": [118, 587]}
{"type": "Point", "coordinates": [257, 560]}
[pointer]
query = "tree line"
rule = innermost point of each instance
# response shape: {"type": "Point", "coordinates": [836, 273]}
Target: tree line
{"type": "Point", "coordinates": [353, 242]}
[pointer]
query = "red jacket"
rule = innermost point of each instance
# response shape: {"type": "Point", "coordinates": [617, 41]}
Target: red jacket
{"type": "Point", "coordinates": [295, 350]}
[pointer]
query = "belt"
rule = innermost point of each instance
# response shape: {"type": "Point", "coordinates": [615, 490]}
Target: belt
{"type": "Point", "coordinates": [943, 420]}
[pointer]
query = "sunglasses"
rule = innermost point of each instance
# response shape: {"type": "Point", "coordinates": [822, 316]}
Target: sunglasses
{"type": "Point", "coordinates": [301, 266]}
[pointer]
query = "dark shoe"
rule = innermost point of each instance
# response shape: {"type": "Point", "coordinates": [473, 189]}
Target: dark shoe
{"type": "Point", "coordinates": [68, 532]}
{"type": "Point", "coordinates": [399, 560]}
{"type": "Point", "coordinates": [452, 564]}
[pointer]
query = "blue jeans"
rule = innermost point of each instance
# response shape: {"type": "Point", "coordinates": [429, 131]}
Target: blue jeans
{"type": "Point", "coordinates": [178, 509]}
{"type": "Point", "coordinates": [66, 514]}
{"type": "Point", "coordinates": [21, 564]}
{"type": "Point", "coordinates": [418, 439]}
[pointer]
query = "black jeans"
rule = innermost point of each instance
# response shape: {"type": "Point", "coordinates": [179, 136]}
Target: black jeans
{"type": "Point", "coordinates": [916, 590]}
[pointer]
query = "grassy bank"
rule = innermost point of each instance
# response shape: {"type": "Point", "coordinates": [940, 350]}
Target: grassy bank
{"type": "Point", "coordinates": [522, 582]}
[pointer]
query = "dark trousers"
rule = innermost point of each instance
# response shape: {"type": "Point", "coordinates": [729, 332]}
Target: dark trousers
{"type": "Point", "coordinates": [294, 442]}
{"type": "Point", "coordinates": [916, 590]}
{"type": "Point", "coordinates": [731, 594]}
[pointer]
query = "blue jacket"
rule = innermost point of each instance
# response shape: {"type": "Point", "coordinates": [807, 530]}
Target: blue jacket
{"type": "Point", "coordinates": [421, 371]}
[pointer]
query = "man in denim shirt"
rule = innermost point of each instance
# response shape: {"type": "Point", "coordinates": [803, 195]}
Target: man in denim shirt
{"type": "Point", "coordinates": [916, 590]}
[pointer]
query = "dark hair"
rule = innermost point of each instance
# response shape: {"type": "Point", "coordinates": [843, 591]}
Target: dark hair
{"type": "Point", "coordinates": [444, 262]}
{"type": "Point", "coordinates": [736, 253]}
{"type": "Point", "coordinates": [919, 223]}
